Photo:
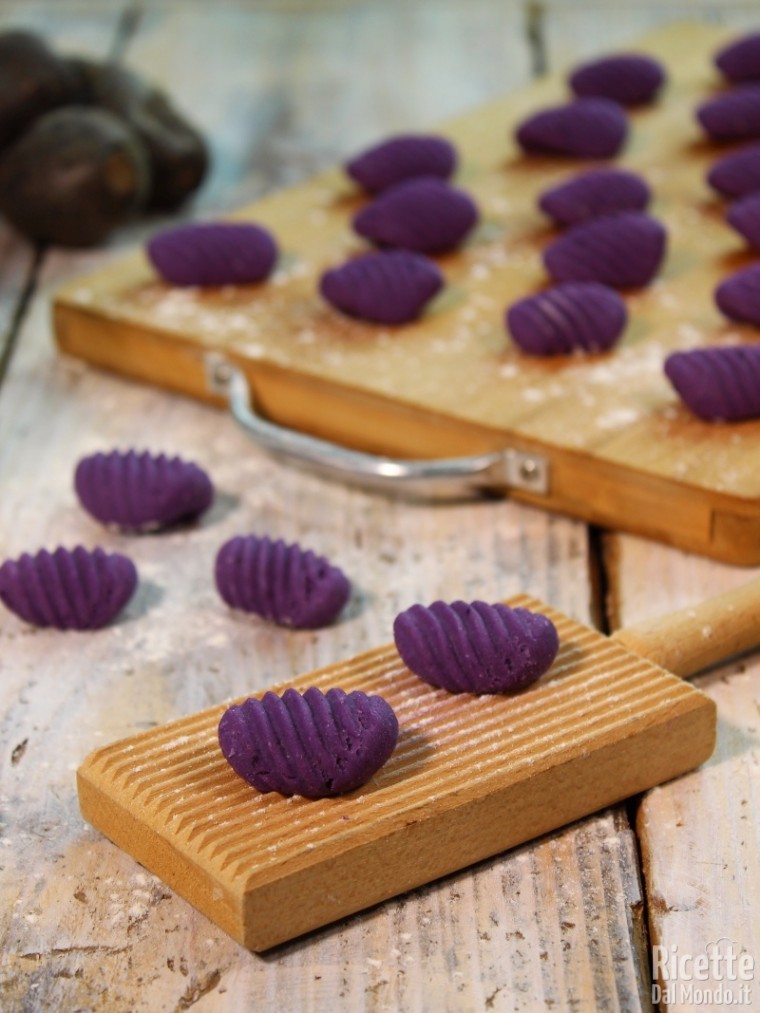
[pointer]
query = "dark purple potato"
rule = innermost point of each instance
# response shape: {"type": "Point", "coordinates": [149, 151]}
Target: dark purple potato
{"type": "Point", "coordinates": [424, 215]}
{"type": "Point", "coordinates": [718, 384]}
{"type": "Point", "coordinates": [284, 583]}
{"type": "Point", "coordinates": [316, 745]}
{"type": "Point", "coordinates": [138, 491]}
{"type": "Point", "coordinates": [585, 128]}
{"type": "Point", "coordinates": [623, 250]}
{"type": "Point", "coordinates": [384, 288]}
{"type": "Point", "coordinates": [628, 78]}
{"type": "Point", "coordinates": [738, 296]}
{"type": "Point", "coordinates": [581, 316]}
{"type": "Point", "coordinates": [740, 59]}
{"type": "Point", "coordinates": [744, 216]}
{"type": "Point", "coordinates": [403, 157]}
{"type": "Point", "coordinates": [73, 177]}
{"type": "Point", "coordinates": [737, 174]}
{"type": "Point", "coordinates": [475, 647]}
{"type": "Point", "coordinates": [734, 116]}
{"type": "Point", "coordinates": [213, 253]}
{"type": "Point", "coordinates": [68, 589]}
{"type": "Point", "coordinates": [33, 80]}
{"type": "Point", "coordinates": [593, 194]}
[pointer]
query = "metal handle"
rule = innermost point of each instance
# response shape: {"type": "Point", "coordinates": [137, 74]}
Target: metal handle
{"type": "Point", "coordinates": [439, 478]}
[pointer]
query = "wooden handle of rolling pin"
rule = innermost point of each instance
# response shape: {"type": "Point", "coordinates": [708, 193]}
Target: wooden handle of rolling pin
{"type": "Point", "coordinates": [691, 639]}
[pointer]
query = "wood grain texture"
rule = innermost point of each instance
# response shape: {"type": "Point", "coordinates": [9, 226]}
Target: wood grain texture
{"type": "Point", "coordinates": [621, 448]}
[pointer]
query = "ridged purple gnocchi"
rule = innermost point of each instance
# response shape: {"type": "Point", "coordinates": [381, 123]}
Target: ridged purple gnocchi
{"type": "Point", "coordinates": [623, 251]}
{"type": "Point", "coordinates": [585, 128]}
{"type": "Point", "coordinates": [68, 589]}
{"type": "Point", "coordinates": [739, 60]}
{"type": "Point", "coordinates": [423, 215]}
{"type": "Point", "coordinates": [593, 194]}
{"type": "Point", "coordinates": [744, 216]}
{"type": "Point", "coordinates": [475, 647]}
{"type": "Point", "coordinates": [738, 296]}
{"type": "Point", "coordinates": [284, 583]}
{"type": "Point", "coordinates": [392, 287]}
{"type": "Point", "coordinates": [734, 116]}
{"type": "Point", "coordinates": [140, 491]}
{"type": "Point", "coordinates": [737, 174]}
{"type": "Point", "coordinates": [718, 384]}
{"type": "Point", "coordinates": [631, 79]}
{"type": "Point", "coordinates": [208, 254]}
{"type": "Point", "coordinates": [313, 744]}
{"type": "Point", "coordinates": [575, 317]}
{"type": "Point", "coordinates": [400, 158]}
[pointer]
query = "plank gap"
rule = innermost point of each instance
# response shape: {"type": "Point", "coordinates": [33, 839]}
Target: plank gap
{"type": "Point", "coordinates": [535, 15]}
{"type": "Point", "coordinates": [599, 580]}
{"type": "Point", "coordinates": [23, 301]}
{"type": "Point", "coordinates": [127, 25]}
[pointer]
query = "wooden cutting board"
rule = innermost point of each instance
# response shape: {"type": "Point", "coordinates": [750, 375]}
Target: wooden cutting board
{"type": "Point", "coordinates": [619, 448]}
{"type": "Point", "coordinates": [470, 777]}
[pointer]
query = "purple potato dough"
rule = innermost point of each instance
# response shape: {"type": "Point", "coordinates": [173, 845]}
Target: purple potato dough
{"type": "Point", "coordinates": [734, 116]}
{"type": "Point", "coordinates": [316, 744]}
{"type": "Point", "coordinates": [740, 60]}
{"type": "Point", "coordinates": [585, 128]}
{"type": "Point", "coordinates": [577, 316]}
{"type": "Point", "coordinates": [593, 194]}
{"type": "Point", "coordinates": [423, 215]}
{"type": "Point", "coordinates": [213, 253]}
{"type": "Point", "coordinates": [718, 384]}
{"type": "Point", "coordinates": [623, 250]}
{"type": "Point", "coordinates": [383, 288]}
{"type": "Point", "coordinates": [141, 490]}
{"type": "Point", "coordinates": [400, 158]}
{"type": "Point", "coordinates": [744, 216]}
{"type": "Point", "coordinates": [68, 589]}
{"type": "Point", "coordinates": [628, 78]}
{"type": "Point", "coordinates": [737, 174]}
{"type": "Point", "coordinates": [738, 296]}
{"type": "Point", "coordinates": [475, 647]}
{"type": "Point", "coordinates": [284, 583]}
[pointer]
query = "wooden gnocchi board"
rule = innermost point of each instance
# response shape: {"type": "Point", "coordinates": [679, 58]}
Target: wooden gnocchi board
{"type": "Point", "coordinates": [620, 448]}
{"type": "Point", "coordinates": [470, 777]}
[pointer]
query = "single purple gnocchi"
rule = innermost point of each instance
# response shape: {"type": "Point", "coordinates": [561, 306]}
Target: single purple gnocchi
{"type": "Point", "coordinates": [475, 647]}
{"type": "Point", "coordinates": [585, 128]}
{"type": "Point", "coordinates": [718, 384]}
{"type": "Point", "coordinates": [593, 194]}
{"type": "Point", "coordinates": [737, 174]}
{"type": "Point", "coordinates": [740, 60]}
{"type": "Point", "coordinates": [207, 254]}
{"type": "Point", "coordinates": [284, 583]}
{"type": "Point", "coordinates": [141, 491]}
{"type": "Point", "coordinates": [623, 250]}
{"type": "Point", "coordinates": [577, 316]}
{"type": "Point", "coordinates": [628, 78]}
{"type": "Point", "coordinates": [392, 287]}
{"type": "Point", "coordinates": [316, 744]}
{"type": "Point", "coordinates": [744, 216]}
{"type": "Point", "coordinates": [738, 296]}
{"type": "Point", "coordinates": [69, 589]}
{"type": "Point", "coordinates": [424, 215]}
{"type": "Point", "coordinates": [400, 158]}
{"type": "Point", "coordinates": [734, 116]}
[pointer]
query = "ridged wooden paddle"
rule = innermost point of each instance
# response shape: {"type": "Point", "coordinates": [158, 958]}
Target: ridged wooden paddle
{"type": "Point", "coordinates": [470, 777]}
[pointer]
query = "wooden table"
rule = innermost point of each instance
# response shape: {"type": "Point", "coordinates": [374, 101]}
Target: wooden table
{"type": "Point", "coordinates": [567, 922]}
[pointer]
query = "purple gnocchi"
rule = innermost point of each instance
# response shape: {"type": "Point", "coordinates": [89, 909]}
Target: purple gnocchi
{"type": "Point", "coordinates": [740, 60]}
{"type": "Point", "coordinates": [208, 254]}
{"type": "Point", "coordinates": [737, 174]}
{"type": "Point", "coordinates": [744, 216]}
{"type": "Point", "coordinates": [738, 296]}
{"type": "Point", "coordinates": [392, 287]}
{"type": "Point", "coordinates": [718, 384]}
{"type": "Point", "coordinates": [593, 194]}
{"type": "Point", "coordinates": [628, 78]}
{"type": "Point", "coordinates": [734, 116]}
{"type": "Point", "coordinates": [623, 250]}
{"type": "Point", "coordinates": [579, 316]}
{"type": "Point", "coordinates": [400, 158]}
{"type": "Point", "coordinates": [424, 215]}
{"type": "Point", "coordinates": [475, 647]}
{"type": "Point", "coordinates": [585, 128]}
{"type": "Point", "coordinates": [284, 583]}
{"type": "Point", "coordinates": [313, 744]}
{"type": "Point", "coordinates": [141, 491]}
{"type": "Point", "coordinates": [68, 589]}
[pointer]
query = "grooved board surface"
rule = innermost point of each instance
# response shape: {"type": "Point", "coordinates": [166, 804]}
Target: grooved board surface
{"type": "Point", "coordinates": [470, 777]}
{"type": "Point", "coordinates": [622, 449]}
